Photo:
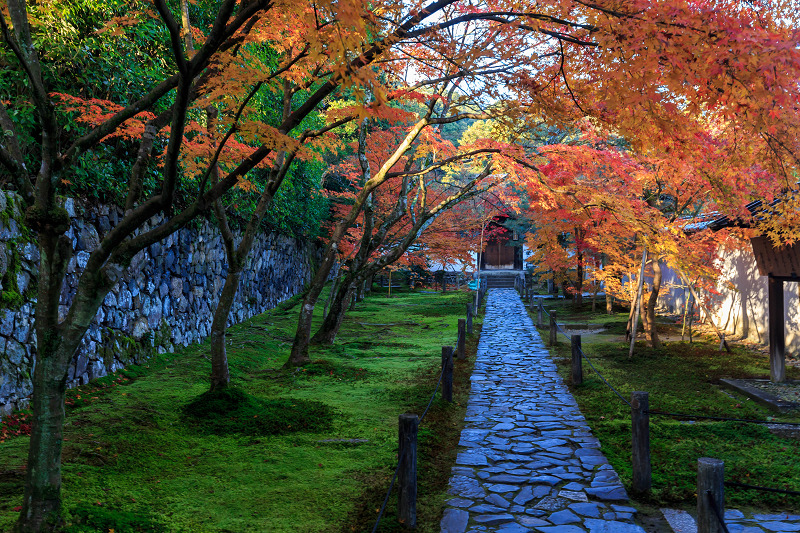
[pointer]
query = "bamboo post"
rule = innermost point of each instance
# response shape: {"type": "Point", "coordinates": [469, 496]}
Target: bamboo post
{"type": "Point", "coordinates": [640, 434]}
{"type": "Point", "coordinates": [710, 485]}
{"type": "Point", "coordinates": [447, 373]}
{"type": "Point", "coordinates": [407, 472]}
{"type": "Point", "coordinates": [462, 339]}
{"type": "Point", "coordinates": [577, 360]}
{"type": "Point", "coordinates": [553, 328]}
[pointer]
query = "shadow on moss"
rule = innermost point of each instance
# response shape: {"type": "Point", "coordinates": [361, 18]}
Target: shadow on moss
{"type": "Point", "coordinates": [87, 518]}
{"type": "Point", "coordinates": [229, 411]}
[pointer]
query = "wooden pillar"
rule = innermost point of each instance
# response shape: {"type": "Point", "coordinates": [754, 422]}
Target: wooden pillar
{"type": "Point", "coordinates": [447, 373]}
{"type": "Point", "coordinates": [577, 360]}
{"type": "Point", "coordinates": [407, 473]}
{"type": "Point", "coordinates": [469, 319]}
{"type": "Point", "coordinates": [461, 342]}
{"type": "Point", "coordinates": [777, 332]}
{"type": "Point", "coordinates": [710, 484]}
{"type": "Point", "coordinates": [640, 434]}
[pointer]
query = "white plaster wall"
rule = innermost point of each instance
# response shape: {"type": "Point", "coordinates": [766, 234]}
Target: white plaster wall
{"type": "Point", "coordinates": [741, 309]}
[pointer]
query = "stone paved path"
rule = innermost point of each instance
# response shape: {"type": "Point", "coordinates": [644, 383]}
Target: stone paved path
{"type": "Point", "coordinates": [529, 461]}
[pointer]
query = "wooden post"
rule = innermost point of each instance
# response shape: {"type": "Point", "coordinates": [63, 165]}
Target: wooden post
{"type": "Point", "coordinates": [777, 333]}
{"type": "Point", "coordinates": [532, 303]}
{"type": "Point", "coordinates": [462, 339]}
{"type": "Point", "coordinates": [640, 429]}
{"type": "Point", "coordinates": [710, 483]}
{"type": "Point", "coordinates": [553, 328]}
{"type": "Point", "coordinates": [407, 473]}
{"type": "Point", "coordinates": [469, 319]}
{"type": "Point", "coordinates": [540, 315]}
{"type": "Point", "coordinates": [577, 360]}
{"type": "Point", "coordinates": [447, 376]}
{"type": "Point", "coordinates": [478, 295]}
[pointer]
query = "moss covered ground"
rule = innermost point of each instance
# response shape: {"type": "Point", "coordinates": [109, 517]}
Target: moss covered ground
{"type": "Point", "coordinates": [682, 377]}
{"type": "Point", "coordinates": [138, 457]}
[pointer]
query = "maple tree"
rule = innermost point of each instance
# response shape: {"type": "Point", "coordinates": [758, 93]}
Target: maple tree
{"type": "Point", "coordinates": [197, 79]}
{"type": "Point", "coordinates": [405, 162]}
{"type": "Point", "coordinates": [705, 95]}
{"type": "Point", "coordinates": [403, 212]}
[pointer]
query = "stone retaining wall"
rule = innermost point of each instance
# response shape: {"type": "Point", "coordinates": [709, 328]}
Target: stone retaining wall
{"type": "Point", "coordinates": [165, 298]}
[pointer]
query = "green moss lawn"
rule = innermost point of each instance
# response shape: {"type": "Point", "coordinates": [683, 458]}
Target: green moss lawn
{"type": "Point", "coordinates": [134, 461]}
{"type": "Point", "coordinates": [684, 378]}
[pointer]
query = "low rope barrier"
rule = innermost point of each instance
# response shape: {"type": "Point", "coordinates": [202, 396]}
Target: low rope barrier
{"type": "Point", "coordinates": [620, 396]}
{"type": "Point", "coordinates": [709, 494]}
{"type": "Point", "coordinates": [745, 486]}
{"type": "Point", "coordinates": [583, 355]}
{"type": "Point", "coordinates": [717, 512]}
{"type": "Point", "coordinates": [721, 418]}
{"type": "Point", "coordinates": [425, 412]}
{"type": "Point", "coordinates": [386, 499]}
{"type": "Point", "coordinates": [667, 413]}
{"type": "Point", "coordinates": [397, 468]}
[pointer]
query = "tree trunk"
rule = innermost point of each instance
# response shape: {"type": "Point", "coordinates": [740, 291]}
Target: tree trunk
{"type": "Point", "coordinates": [326, 334]}
{"type": "Point", "coordinates": [352, 294]}
{"type": "Point", "coordinates": [649, 309]}
{"type": "Point", "coordinates": [579, 280]}
{"type": "Point", "coordinates": [329, 329]}
{"type": "Point", "coordinates": [302, 337]}
{"type": "Point", "coordinates": [56, 346]}
{"type": "Point", "coordinates": [41, 508]}
{"type": "Point", "coordinates": [361, 291]}
{"type": "Point", "coordinates": [331, 293]}
{"type": "Point", "coordinates": [220, 375]}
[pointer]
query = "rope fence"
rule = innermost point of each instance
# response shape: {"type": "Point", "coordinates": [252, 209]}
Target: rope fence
{"type": "Point", "coordinates": [409, 425]}
{"type": "Point", "coordinates": [746, 486]}
{"type": "Point", "coordinates": [640, 414]}
{"type": "Point", "coordinates": [668, 413]}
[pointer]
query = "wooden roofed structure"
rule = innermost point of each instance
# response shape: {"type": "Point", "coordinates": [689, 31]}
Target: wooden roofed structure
{"type": "Point", "coordinates": [780, 264]}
